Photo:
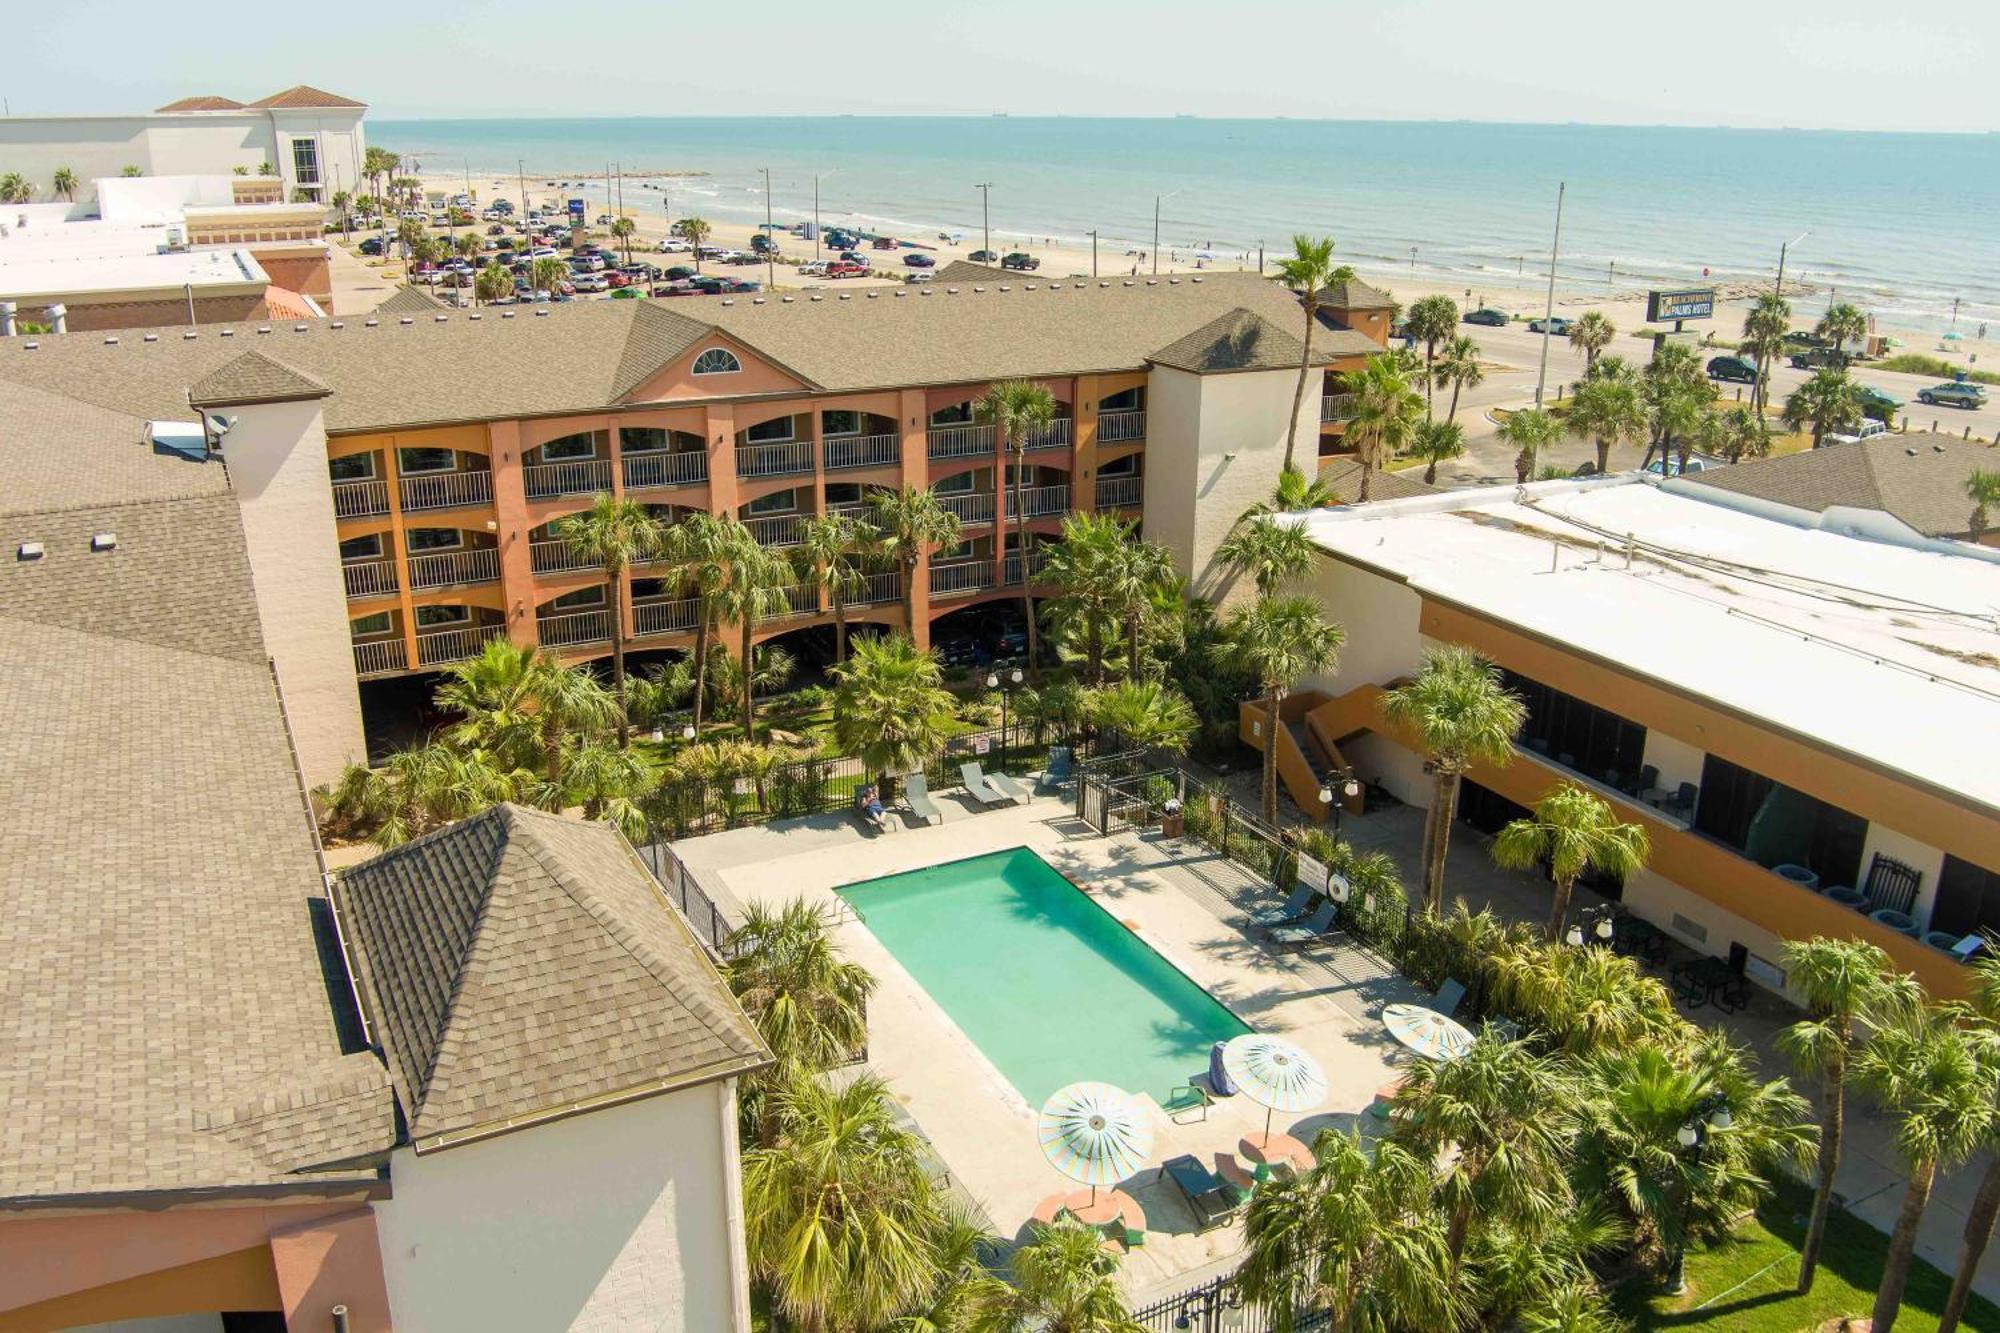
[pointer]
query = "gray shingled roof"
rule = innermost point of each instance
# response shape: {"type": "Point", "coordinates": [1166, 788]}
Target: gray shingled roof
{"type": "Point", "coordinates": [1355, 295]}
{"type": "Point", "coordinates": [409, 300]}
{"type": "Point", "coordinates": [1919, 478]}
{"type": "Point", "coordinates": [518, 964]}
{"type": "Point", "coordinates": [964, 270]}
{"type": "Point", "coordinates": [1237, 340]}
{"type": "Point", "coordinates": [57, 452]}
{"type": "Point", "coordinates": [254, 378]}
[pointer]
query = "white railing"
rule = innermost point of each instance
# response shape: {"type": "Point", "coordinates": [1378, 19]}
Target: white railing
{"type": "Point", "coordinates": [360, 499]}
{"type": "Point", "coordinates": [566, 631]}
{"type": "Point", "coordinates": [846, 451]}
{"type": "Point", "coordinates": [447, 490]}
{"type": "Point", "coordinates": [777, 530]}
{"type": "Point", "coordinates": [369, 578]}
{"type": "Point", "coordinates": [971, 507]}
{"type": "Point", "coordinates": [770, 460]}
{"type": "Point", "coordinates": [1011, 572]}
{"type": "Point", "coordinates": [1118, 427]}
{"type": "Point", "coordinates": [378, 656]}
{"type": "Point", "coordinates": [586, 476]}
{"type": "Point", "coordinates": [801, 599]}
{"type": "Point", "coordinates": [1051, 435]}
{"type": "Point", "coordinates": [438, 646]}
{"type": "Point", "coordinates": [443, 569]}
{"type": "Point", "coordinates": [960, 441]}
{"type": "Point", "coordinates": [1036, 501]}
{"type": "Point", "coordinates": [660, 468]}
{"type": "Point", "coordinates": [879, 588]}
{"type": "Point", "coordinates": [1120, 492]}
{"type": "Point", "coordinates": [961, 576]}
{"type": "Point", "coordinates": [1336, 407]}
{"type": "Point", "coordinates": [554, 557]}
{"type": "Point", "coordinates": [857, 510]}
{"type": "Point", "coordinates": [675, 617]}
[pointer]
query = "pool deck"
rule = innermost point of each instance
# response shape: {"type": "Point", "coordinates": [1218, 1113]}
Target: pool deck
{"type": "Point", "coordinates": [1183, 902]}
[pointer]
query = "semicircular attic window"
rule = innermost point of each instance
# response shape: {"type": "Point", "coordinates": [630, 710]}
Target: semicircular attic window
{"type": "Point", "coordinates": [717, 361]}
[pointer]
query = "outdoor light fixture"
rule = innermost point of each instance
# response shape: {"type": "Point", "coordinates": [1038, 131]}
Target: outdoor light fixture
{"type": "Point", "coordinates": [687, 732]}
{"type": "Point", "coordinates": [1574, 935]}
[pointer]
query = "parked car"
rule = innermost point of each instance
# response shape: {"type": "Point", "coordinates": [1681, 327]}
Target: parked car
{"type": "Point", "coordinates": [1555, 324]}
{"type": "Point", "coordinates": [920, 276]}
{"type": "Point", "coordinates": [587, 263]}
{"type": "Point", "coordinates": [374, 245]}
{"type": "Point", "coordinates": [1495, 319]}
{"type": "Point", "coordinates": [1953, 395]}
{"type": "Point", "coordinates": [1867, 430]}
{"type": "Point", "coordinates": [1021, 260]}
{"type": "Point", "coordinates": [884, 243]}
{"type": "Point", "coordinates": [1877, 404]}
{"type": "Point", "coordinates": [841, 268]}
{"type": "Point", "coordinates": [1812, 358]}
{"type": "Point", "coordinates": [763, 244]}
{"type": "Point", "coordinates": [744, 257]}
{"type": "Point", "coordinates": [1695, 463]}
{"type": "Point", "coordinates": [918, 259]}
{"type": "Point", "coordinates": [591, 282]}
{"type": "Point", "coordinates": [679, 272]}
{"type": "Point", "coordinates": [983, 257]}
{"type": "Point", "coordinates": [673, 245]}
{"type": "Point", "coordinates": [854, 257]}
{"type": "Point", "coordinates": [1738, 369]}
{"type": "Point", "coordinates": [617, 278]}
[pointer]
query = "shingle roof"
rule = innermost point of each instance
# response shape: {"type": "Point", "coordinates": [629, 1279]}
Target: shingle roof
{"type": "Point", "coordinates": [1355, 295]}
{"type": "Point", "coordinates": [254, 378]}
{"type": "Point", "coordinates": [57, 453]}
{"type": "Point", "coordinates": [518, 964]}
{"type": "Point", "coordinates": [1237, 340]}
{"type": "Point", "coordinates": [964, 270]}
{"type": "Point", "coordinates": [410, 301]}
{"type": "Point", "coordinates": [201, 102]}
{"type": "Point", "coordinates": [304, 96]}
{"type": "Point", "coordinates": [1919, 478]}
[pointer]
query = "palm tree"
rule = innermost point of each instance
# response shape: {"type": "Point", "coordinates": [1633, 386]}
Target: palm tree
{"type": "Point", "coordinates": [520, 702]}
{"type": "Point", "coordinates": [613, 534]}
{"type": "Point", "coordinates": [808, 1002]}
{"type": "Point", "coordinates": [1142, 573]}
{"type": "Point", "coordinates": [1357, 1235]}
{"type": "Point", "coordinates": [1309, 270]}
{"type": "Point", "coordinates": [492, 283]}
{"type": "Point", "coordinates": [908, 525]}
{"type": "Point", "coordinates": [1983, 489]}
{"type": "Point", "coordinates": [1764, 330]}
{"type": "Point", "coordinates": [1270, 554]}
{"type": "Point", "coordinates": [1458, 365]}
{"type": "Point", "coordinates": [466, 246]}
{"type": "Point", "coordinates": [65, 183]}
{"type": "Point", "coordinates": [1084, 568]}
{"type": "Point", "coordinates": [831, 552]}
{"type": "Point", "coordinates": [1840, 325]}
{"type": "Point", "coordinates": [1146, 713]}
{"type": "Point", "coordinates": [548, 276]}
{"type": "Point", "coordinates": [1280, 640]}
{"type": "Point", "coordinates": [1530, 430]}
{"type": "Point", "coordinates": [608, 783]}
{"type": "Point", "coordinates": [1608, 412]}
{"type": "Point", "coordinates": [1590, 334]}
{"type": "Point", "coordinates": [1064, 1282]}
{"type": "Point", "coordinates": [890, 707]}
{"type": "Point", "coordinates": [1676, 393]}
{"type": "Point", "coordinates": [1295, 491]}
{"type": "Point", "coordinates": [1845, 983]}
{"type": "Point", "coordinates": [700, 549]}
{"type": "Point", "coordinates": [695, 230]}
{"type": "Point", "coordinates": [1979, 1218]}
{"type": "Point", "coordinates": [840, 1210]}
{"type": "Point", "coordinates": [1827, 402]}
{"type": "Point", "coordinates": [1573, 831]}
{"type": "Point", "coordinates": [1435, 442]}
{"type": "Point", "coordinates": [427, 786]}
{"type": "Point", "coordinates": [378, 164]}
{"type": "Point", "coordinates": [1386, 412]}
{"type": "Point", "coordinates": [1018, 408]}
{"type": "Point", "coordinates": [757, 587]}
{"type": "Point", "coordinates": [1458, 705]}
{"type": "Point", "coordinates": [15, 189]}
{"type": "Point", "coordinates": [1936, 1076]}
{"type": "Point", "coordinates": [1431, 320]}
{"type": "Point", "coordinates": [1733, 433]}
{"type": "Point", "coordinates": [622, 230]}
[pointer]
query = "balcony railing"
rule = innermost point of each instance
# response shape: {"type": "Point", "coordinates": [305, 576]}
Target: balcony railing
{"type": "Point", "coordinates": [1120, 492]}
{"type": "Point", "coordinates": [1011, 572]}
{"type": "Point", "coordinates": [1118, 427]}
{"type": "Point", "coordinates": [1336, 407]}
{"type": "Point", "coordinates": [772, 460]}
{"type": "Point", "coordinates": [438, 646]}
{"type": "Point", "coordinates": [960, 441]}
{"type": "Point", "coordinates": [370, 578]}
{"type": "Point", "coordinates": [379, 656]}
{"type": "Point", "coordinates": [879, 588]}
{"type": "Point", "coordinates": [360, 499]}
{"type": "Point", "coordinates": [572, 628]}
{"type": "Point", "coordinates": [777, 530]}
{"type": "Point", "coordinates": [447, 490]}
{"type": "Point", "coordinates": [857, 510]}
{"type": "Point", "coordinates": [1052, 435]}
{"type": "Point", "coordinates": [970, 506]}
{"type": "Point", "coordinates": [961, 576]}
{"type": "Point", "coordinates": [444, 569]}
{"type": "Point", "coordinates": [674, 617]}
{"type": "Point", "coordinates": [846, 451]}
{"type": "Point", "coordinates": [554, 557]}
{"type": "Point", "coordinates": [660, 468]}
{"type": "Point", "coordinates": [801, 600]}
{"type": "Point", "coordinates": [1039, 501]}
{"type": "Point", "coordinates": [585, 476]}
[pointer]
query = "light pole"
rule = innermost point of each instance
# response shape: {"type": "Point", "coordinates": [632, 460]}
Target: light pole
{"type": "Point", "coordinates": [771, 246]}
{"type": "Point", "coordinates": [817, 178]}
{"type": "Point", "coordinates": [985, 189]}
{"type": "Point", "coordinates": [1006, 688]}
{"type": "Point", "coordinates": [1778, 290]}
{"type": "Point", "coordinates": [1350, 787]}
{"type": "Point", "coordinates": [1093, 252]}
{"type": "Point", "coordinates": [1710, 1113]}
{"type": "Point", "coordinates": [1549, 314]}
{"type": "Point", "coordinates": [1156, 231]}
{"type": "Point", "coordinates": [521, 167]}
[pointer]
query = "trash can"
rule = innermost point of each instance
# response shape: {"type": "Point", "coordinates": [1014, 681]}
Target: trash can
{"type": "Point", "coordinates": [1170, 820]}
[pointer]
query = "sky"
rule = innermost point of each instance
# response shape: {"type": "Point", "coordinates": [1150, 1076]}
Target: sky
{"type": "Point", "coordinates": [1834, 64]}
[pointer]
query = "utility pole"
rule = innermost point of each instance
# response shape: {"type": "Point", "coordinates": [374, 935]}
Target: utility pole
{"type": "Point", "coordinates": [985, 217]}
{"type": "Point", "coordinates": [1093, 252]}
{"type": "Point", "coordinates": [1549, 313]}
{"type": "Point", "coordinates": [816, 250]}
{"type": "Point", "coordinates": [1260, 259]}
{"type": "Point", "coordinates": [1156, 235]}
{"type": "Point", "coordinates": [770, 246]}
{"type": "Point", "coordinates": [1783, 250]}
{"type": "Point", "coordinates": [521, 166]}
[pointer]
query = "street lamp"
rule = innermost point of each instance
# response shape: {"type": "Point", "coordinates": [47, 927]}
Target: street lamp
{"type": "Point", "coordinates": [1593, 921]}
{"type": "Point", "coordinates": [687, 731]}
{"type": "Point", "coordinates": [1350, 787]}
{"type": "Point", "coordinates": [1710, 1113]}
{"type": "Point", "coordinates": [1012, 682]}
{"type": "Point", "coordinates": [771, 246]}
{"type": "Point", "coordinates": [1156, 226]}
{"type": "Point", "coordinates": [985, 189]}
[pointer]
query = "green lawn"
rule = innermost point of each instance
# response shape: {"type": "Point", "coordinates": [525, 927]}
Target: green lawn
{"type": "Point", "coordinates": [1745, 1284]}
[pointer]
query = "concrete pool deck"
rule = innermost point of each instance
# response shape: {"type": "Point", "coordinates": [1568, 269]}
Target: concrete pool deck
{"type": "Point", "coordinates": [1179, 900]}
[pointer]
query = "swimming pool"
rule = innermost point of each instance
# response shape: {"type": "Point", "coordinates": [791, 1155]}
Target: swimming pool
{"type": "Point", "coordinates": [1043, 980]}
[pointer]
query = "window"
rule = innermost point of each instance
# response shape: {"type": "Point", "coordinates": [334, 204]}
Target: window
{"type": "Point", "coordinates": [1125, 400]}
{"type": "Point", "coordinates": [1968, 898]}
{"type": "Point", "coordinates": [778, 431]}
{"type": "Point", "coordinates": [843, 493]}
{"type": "Point", "coordinates": [569, 447]}
{"type": "Point", "coordinates": [430, 617]}
{"type": "Point", "coordinates": [581, 597]}
{"type": "Point", "coordinates": [962, 551]}
{"type": "Point", "coordinates": [362, 548]}
{"type": "Point", "coordinates": [351, 467]}
{"type": "Point", "coordinates": [717, 361]}
{"type": "Point", "coordinates": [641, 439]}
{"type": "Point", "coordinates": [840, 422]}
{"type": "Point", "coordinates": [958, 414]}
{"type": "Point", "coordinates": [956, 484]}
{"type": "Point", "coordinates": [365, 627]}
{"type": "Point", "coordinates": [426, 459]}
{"type": "Point", "coordinates": [783, 502]}
{"type": "Point", "coordinates": [435, 539]}
{"type": "Point", "coordinates": [1128, 466]}
{"type": "Point", "coordinates": [1773, 824]}
{"type": "Point", "coordinates": [648, 589]}
{"type": "Point", "coordinates": [1581, 737]}
{"type": "Point", "coordinates": [305, 161]}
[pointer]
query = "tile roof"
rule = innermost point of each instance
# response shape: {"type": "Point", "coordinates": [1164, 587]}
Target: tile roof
{"type": "Point", "coordinates": [201, 102]}
{"type": "Point", "coordinates": [1918, 477]}
{"type": "Point", "coordinates": [304, 96]}
{"type": "Point", "coordinates": [1237, 340]}
{"type": "Point", "coordinates": [254, 378]}
{"type": "Point", "coordinates": [284, 303]}
{"type": "Point", "coordinates": [517, 964]}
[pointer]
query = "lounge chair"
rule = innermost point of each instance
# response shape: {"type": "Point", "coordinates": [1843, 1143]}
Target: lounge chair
{"type": "Point", "coordinates": [1266, 918]}
{"type": "Point", "coordinates": [1317, 926]}
{"type": "Point", "coordinates": [1204, 1191]}
{"type": "Point", "coordinates": [1007, 786]}
{"type": "Point", "coordinates": [1189, 1096]}
{"type": "Point", "coordinates": [1059, 771]}
{"type": "Point", "coordinates": [1449, 996]}
{"type": "Point", "coordinates": [917, 795]}
{"type": "Point", "coordinates": [980, 787]}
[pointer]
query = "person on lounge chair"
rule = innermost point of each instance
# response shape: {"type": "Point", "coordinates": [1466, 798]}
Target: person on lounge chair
{"type": "Point", "coordinates": [868, 801]}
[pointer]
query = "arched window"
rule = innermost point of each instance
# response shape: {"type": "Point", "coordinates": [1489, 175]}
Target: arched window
{"type": "Point", "coordinates": [717, 361]}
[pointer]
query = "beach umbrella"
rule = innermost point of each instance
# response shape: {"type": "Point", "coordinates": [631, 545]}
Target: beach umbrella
{"type": "Point", "coordinates": [1094, 1133]}
{"type": "Point", "coordinates": [1427, 1032]}
{"type": "Point", "coordinates": [1273, 1073]}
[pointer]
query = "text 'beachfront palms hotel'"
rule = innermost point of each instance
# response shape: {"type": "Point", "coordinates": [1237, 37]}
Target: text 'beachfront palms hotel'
{"type": "Point", "coordinates": [400, 474]}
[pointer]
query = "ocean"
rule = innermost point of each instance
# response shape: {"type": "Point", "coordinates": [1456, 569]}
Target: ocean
{"type": "Point", "coordinates": [1901, 224]}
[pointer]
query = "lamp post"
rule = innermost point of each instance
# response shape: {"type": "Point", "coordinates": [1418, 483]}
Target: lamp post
{"type": "Point", "coordinates": [1778, 289]}
{"type": "Point", "coordinates": [1593, 924]}
{"type": "Point", "coordinates": [1350, 787]}
{"type": "Point", "coordinates": [770, 246]}
{"type": "Point", "coordinates": [985, 189]}
{"type": "Point", "coordinates": [1156, 230]}
{"type": "Point", "coordinates": [1006, 686]}
{"type": "Point", "coordinates": [1710, 1113]}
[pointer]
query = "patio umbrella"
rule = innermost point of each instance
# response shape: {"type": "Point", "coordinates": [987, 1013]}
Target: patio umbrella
{"type": "Point", "coordinates": [1094, 1133]}
{"type": "Point", "coordinates": [1273, 1073]}
{"type": "Point", "coordinates": [1427, 1032]}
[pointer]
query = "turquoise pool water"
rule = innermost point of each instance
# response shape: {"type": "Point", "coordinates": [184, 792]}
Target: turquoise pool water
{"type": "Point", "coordinates": [1043, 979]}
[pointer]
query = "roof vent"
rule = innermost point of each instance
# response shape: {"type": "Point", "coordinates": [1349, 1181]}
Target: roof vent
{"type": "Point", "coordinates": [1152, 282]}
{"type": "Point", "coordinates": [229, 333]}
{"type": "Point", "coordinates": [816, 297]}
{"type": "Point", "coordinates": [506, 314]}
{"type": "Point", "coordinates": [190, 335]}
{"type": "Point", "coordinates": [338, 324]}
{"type": "Point", "coordinates": [873, 295]}
{"type": "Point", "coordinates": [788, 299]}
{"type": "Point", "coordinates": [104, 541]}
{"type": "Point", "coordinates": [1104, 283]}
{"type": "Point", "coordinates": [405, 321]}
{"type": "Point", "coordinates": [28, 551]}
{"type": "Point", "coordinates": [1028, 287]}
{"type": "Point", "coordinates": [298, 328]}
{"type": "Point", "coordinates": [543, 311]}
{"type": "Point", "coordinates": [111, 341]}
{"type": "Point", "coordinates": [151, 338]}
{"type": "Point", "coordinates": [370, 323]}
{"type": "Point", "coordinates": [1127, 282]}
{"type": "Point", "coordinates": [1173, 282]}
{"type": "Point", "coordinates": [1194, 279]}
{"type": "Point", "coordinates": [436, 319]}
{"type": "Point", "coordinates": [845, 296]}
{"type": "Point", "coordinates": [475, 315]}
{"type": "Point", "coordinates": [899, 293]}
{"type": "Point", "coordinates": [756, 300]}
{"type": "Point", "coordinates": [1937, 448]}
{"type": "Point", "coordinates": [29, 347]}
{"type": "Point", "coordinates": [921, 291]}
{"type": "Point", "coordinates": [728, 300]}
{"type": "Point", "coordinates": [1909, 453]}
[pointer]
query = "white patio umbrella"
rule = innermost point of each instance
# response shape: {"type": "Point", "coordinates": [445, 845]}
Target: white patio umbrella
{"type": "Point", "coordinates": [1094, 1133]}
{"type": "Point", "coordinates": [1273, 1073]}
{"type": "Point", "coordinates": [1427, 1032]}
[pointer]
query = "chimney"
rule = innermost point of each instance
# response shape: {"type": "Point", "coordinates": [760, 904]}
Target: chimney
{"type": "Point", "coordinates": [6, 319]}
{"type": "Point", "coordinates": [58, 318]}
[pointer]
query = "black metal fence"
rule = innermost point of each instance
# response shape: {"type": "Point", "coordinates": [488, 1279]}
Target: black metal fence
{"type": "Point", "coordinates": [1217, 1306]}
{"type": "Point", "coordinates": [684, 889]}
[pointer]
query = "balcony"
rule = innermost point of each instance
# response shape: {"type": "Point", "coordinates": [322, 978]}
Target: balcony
{"type": "Point", "coordinates": [447, 569]}
{"type": "Point", "coordinates": [1336, 407]}
{"type": "Point", "coordinates": [1120, 427]}
{"type": "Point", "coordinates": [853, 510]}
{"type": "Point", "coordinates": [960, 441]}
{"type": "Point", "coordinates": [1120, 492]}
{"type": "Point", "coordinates": [777, 530]}
{"type": "Point", "coordinates": [437, 647]}
{"type": "Point", "coordinates": [585, 476]}
{"type": "Point", "coordinates": [447, 490]}
{"type": "Point", "coordinates": [801, 602]}
{"type": "Point", "coordinates": [660, 468]}
{"type": "Point", "coordinates": [554, 557]}
{"type": "Point", "coordinates": [360, 499]}
{"type": "Point", "coordinates": [960, 577]}
{"type": "Point", "coordinates": [1051, 435]}
{"type": "Point", "coordinates": [675, 617]}
{"type": "Point", "coordinates": [370, 578]}
{"type": "Point", "coordinates": [774, 460]}
{"type": "Point", "coordinates": [971, 507]}
{"type": "Point", "coordinates": [1012, 571]}
{"type": "Point", "coordinates": [877, 589]}
{"type": "Point", "coordinates": [574, 628]}
{"type": "Point", "coordinates": [1039, 501]}
{"type": "Point", "coordinates": [851, 451]}
{"type": "Point", "coordinates": [379, 657]}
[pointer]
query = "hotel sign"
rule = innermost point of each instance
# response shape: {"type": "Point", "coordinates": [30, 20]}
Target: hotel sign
{"type": "Point", "coordinates": [1694, 303]}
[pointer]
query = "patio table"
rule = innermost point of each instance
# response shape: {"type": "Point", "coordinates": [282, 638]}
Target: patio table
{"type": "Point", "coordinates": [1109, 1204]}
{"type": "Point", "coordinates": [1271, 1149]}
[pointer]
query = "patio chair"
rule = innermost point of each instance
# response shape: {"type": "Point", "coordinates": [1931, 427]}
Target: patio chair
{"type": "Point", "coordinates": [1264, 918]}
{"type": "Point", "coordinates": [1317, 926]}
{"type": "Point", "coordinates": [979, 788]}
{"type": "Point", "coordinates": [917, 795]}
{"type": "Point", "coordinates": [1688, 988]}
{"type": "Point", "coordinates": [1007, 786]}
{"type": "Point", "coordinates": [1449, 996]}
{"type": "Point", "coordinates": [1204, 1191]}
{"type": "Point", "coordinates": [1681, 803]}
{"type": "Point", "coordinates": [1647, 782]}
{"type": "Point", "coordinates": [1059, 770]}
{"type": "Point", "coordinates": [1189, 1096]}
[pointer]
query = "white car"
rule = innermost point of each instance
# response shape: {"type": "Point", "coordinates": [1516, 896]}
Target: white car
{"type": "Point", "coordinates": [919, 276]}
{"type": "Point", "coordinates": [542, 252]}
{"type": "Point", "coordinates": [591, 282]}
{"type": "Point", "coordinates": [674, 245]}
{"type": "Point", "coordinates": [1867, 430]}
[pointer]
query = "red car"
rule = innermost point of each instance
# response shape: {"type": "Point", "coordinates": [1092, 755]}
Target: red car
{"type": "Point", "coordinates": [843, 269]}
{"type": "Point", "coordinates": [617, 279]}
